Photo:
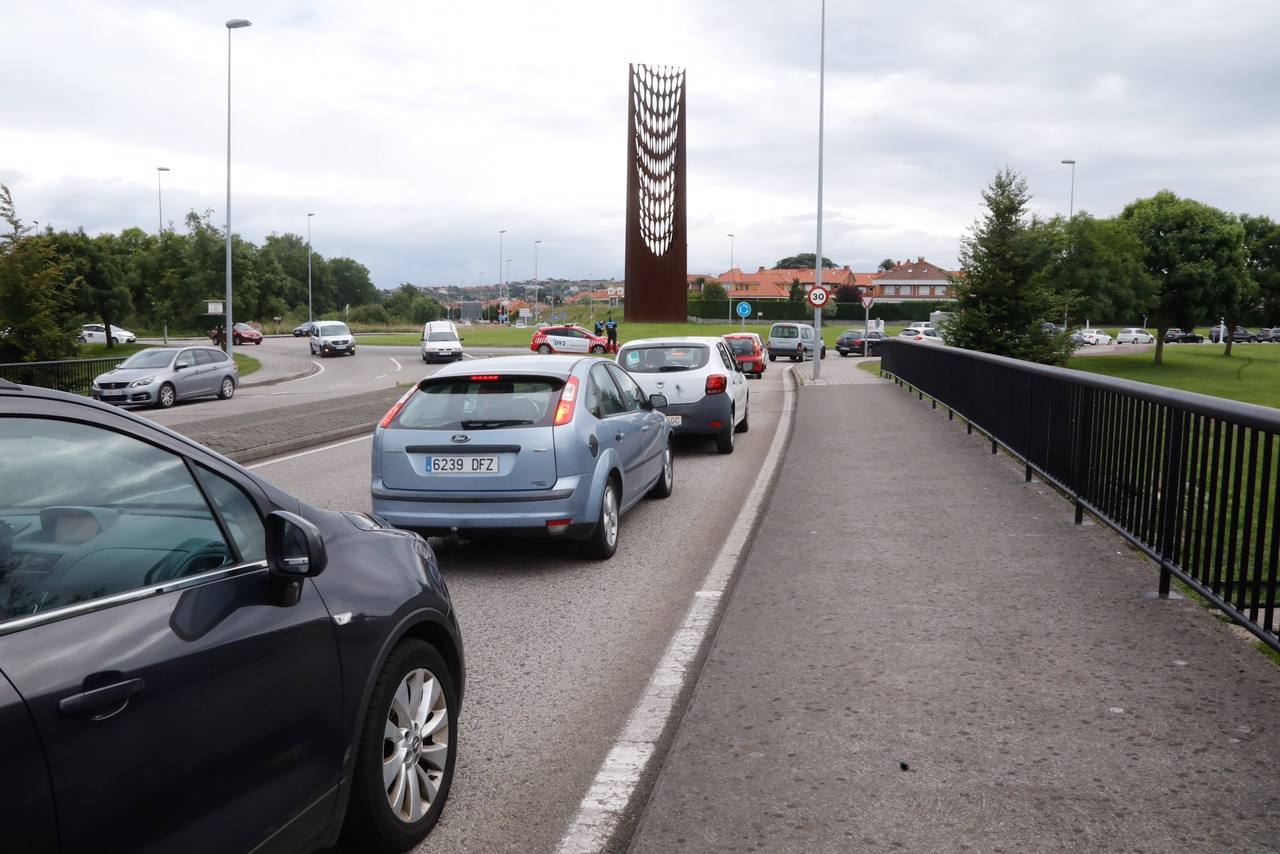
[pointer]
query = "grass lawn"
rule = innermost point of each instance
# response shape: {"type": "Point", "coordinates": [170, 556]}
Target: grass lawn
{"type": "Point", "coordinates": [1251, 375]}
{"type": "Point", "coordinates": [871, 367]}
{"type": "Point", "coordinates": [246, 364]}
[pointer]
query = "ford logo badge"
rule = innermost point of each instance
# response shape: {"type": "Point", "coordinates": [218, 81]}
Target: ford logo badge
{"type": "Point", "coordinates": [460, 438]}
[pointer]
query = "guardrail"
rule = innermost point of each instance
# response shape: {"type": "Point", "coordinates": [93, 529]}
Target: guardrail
{"type": "Point", "coordinates": [1188, 479]}
{"type": "Point", "coordinates": [73, 375]}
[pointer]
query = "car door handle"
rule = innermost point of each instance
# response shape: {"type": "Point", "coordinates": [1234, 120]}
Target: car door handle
{"type": "Point", "coordinates": [100, 698]}
{"type": "Point", "coordinates": [618, 436]}
{"type": "Point", "coordinates": [645, 428]}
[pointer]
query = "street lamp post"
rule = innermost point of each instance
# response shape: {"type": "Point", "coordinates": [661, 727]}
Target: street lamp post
{"type": "Point", "coordinates": [501, 281]}
{"type": "Point", "coordinates": [1071, 206]}
{"type": "Point", "coordinates": [535, 282]}
{"type": "Point", "coordinates": [726, 293]}
{"type": "Point", "coordinates": [309, 216]}
{"type": "Point", "coordinates": [817, 261]}
{"type": "Point", "coordinates": [160, 198]}
{"type": "Point", "coordinates": [233, 24]}
{"type": "Point", "coordinates": [507, 292]}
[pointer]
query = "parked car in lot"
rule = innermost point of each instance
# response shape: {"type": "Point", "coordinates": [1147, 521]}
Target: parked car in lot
{"type": "Point", "coordinates": [704, 386]}
{"type": "Point", "coordinates": [792, 340]}
{"type": "Point", "coordinates": [557, 446]}
{"type": "Point", "coordinates": [567, 339]}
{"type": "Point", "coordinates": [1182, 336]}
{"type": "Point", "coordinates": [927, 336]}
{"type": "Point", "coordinates": [746, 350]}
{"type": "Point", "coordinates": [96, 333]}
{"type": "Point", "coordinates": [161, 376]}
{"type": "Point", "coordinates": [1134, 335]}
{"type": "Point", "coordinates": [1094, 336]}
{"type": "Point", "coordinates": [241, 333]}
{"type": "Point", "coordinates": [856, 342]}
{"type": "Point", "coordinates": [331, 338]}
{"type": "Point", "coordinates": [1239, 336]}
{"type": "Point", "coordinates": [195, 661]}
{"type": "Point", "coordinates": [1270, 335]}
{"type": "Point", "coordinates": [441, 342]}
{"type": "Point", "coordinates": [302, 330]}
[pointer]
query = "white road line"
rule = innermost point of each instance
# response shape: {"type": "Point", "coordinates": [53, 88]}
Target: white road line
{"type": "Point", "coordinates": [397, 364]}
{"type": "Point", "coordinates": [308, 376]}
{"type": "Point", "coordinates": [616, 781]}
{"type": "Point", "coordinates": [379, 376]}
{"type": "Point", "coordinates": [310, 451]}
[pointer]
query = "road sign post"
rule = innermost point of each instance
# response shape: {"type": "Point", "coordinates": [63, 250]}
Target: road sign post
{"type": "Point", "coordinates": [744, 311]}
{"type": "Point", "coordinates": [867, 302]}
{"type": "Point", "coordinates": [817, 297]}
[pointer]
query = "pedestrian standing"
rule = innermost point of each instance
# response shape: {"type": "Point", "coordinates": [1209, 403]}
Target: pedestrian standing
{"type": "Point", "coordinates": [599, 328]}
{"type": "Point", "coordinates": [611, 327]}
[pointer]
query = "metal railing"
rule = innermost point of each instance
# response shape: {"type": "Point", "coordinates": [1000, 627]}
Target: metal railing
{"type": "Point", "coordinates": [73, 375]}
{"type": "Point", "coordinates": [1188, 479]}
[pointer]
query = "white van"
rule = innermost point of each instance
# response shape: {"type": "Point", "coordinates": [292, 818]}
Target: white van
{"type": "Point", "coordinates": [793, 340]}
{"type": "Point", "coordinates": [441, 342]}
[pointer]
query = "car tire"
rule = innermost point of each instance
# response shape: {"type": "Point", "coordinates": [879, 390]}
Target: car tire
{"type": "Point", "coordinates": [667, 480]}
{"type": "Point", "coordinates": [824, 352]}
{"type": "Point", "coordinates": [166, 397]}
{"type": "Point", "coordinates": [603, 541]}
{"type": "Point", "coordinates": [226, 389]}
{"type": "Point", "coordinates": [544, 349]}
{"type": "Point", "coordinates": [372, 824]}
{"type": "Point", "coordinates": [744, 425]}
{"type": "Point", "coordinates": [258, 342]}
{"type": "Point", "coordinates": [598, 349]}
{"type": "Point", "coordinates": [724, 439]}
{"type": "Point", "coordinates": [843, 354]}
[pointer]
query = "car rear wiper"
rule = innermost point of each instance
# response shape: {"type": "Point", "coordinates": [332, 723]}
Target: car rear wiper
{"type": "Point", "coordinates": [493, 423]}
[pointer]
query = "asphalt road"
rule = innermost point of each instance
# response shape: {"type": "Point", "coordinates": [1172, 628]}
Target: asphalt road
{"type": "Point", "coordinates": [559, 649]}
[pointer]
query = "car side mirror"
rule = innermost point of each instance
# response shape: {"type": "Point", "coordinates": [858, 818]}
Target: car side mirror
{"type": "Point", "coordinates": [181, 366]}
{"type": "Point", "coordinates": [657, 401]}
{"type": "Point", "coordinates": [737, 366]}
{"type": "Point", "coordinates": [295, 548]}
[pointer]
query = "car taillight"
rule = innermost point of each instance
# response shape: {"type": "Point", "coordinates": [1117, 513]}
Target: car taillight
{"type": "Point", "coordinates": [564, 409]}
{"type": "Point", "coordinates": [395, 410]}
{"type": "Point", "coordinates": [717, 383]}
{"type": "Point", "coordinates": [484, 378]}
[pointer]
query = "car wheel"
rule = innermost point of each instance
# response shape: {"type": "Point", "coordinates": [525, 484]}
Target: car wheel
{"type": "Point", "coordinates": [724, 439]}
{"type": "Point", "coordinates": [227, 389]}
{"type": "Point", "coordinates": [407, 749]}
{"type": "Point", "coordinates": [843, 354]}
{"type": "Point", "coordinates": [598, 349]}
{"type": "Point", "coordinates": [604, 539]}
{"type": "Point", "coordinates": [744, 425]}
{"type": "Point", "coordinates": [824, 353]}
{"type": "Point", "coordinates": [167, 397]}
{"type": "Point", "coordinates": [544, 349]}
{"type": "Point", "coordinates": [772, 358]}
{"type": "Point", "coordinates": [259, 341]}
{"type": "Point", "coordinates": [667, 480]}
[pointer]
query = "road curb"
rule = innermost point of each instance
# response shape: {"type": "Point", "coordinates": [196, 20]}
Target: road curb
{"type": "Point", "coordinates": [312, 368]}
{"type": "Point", "coordinates": [251, 455]}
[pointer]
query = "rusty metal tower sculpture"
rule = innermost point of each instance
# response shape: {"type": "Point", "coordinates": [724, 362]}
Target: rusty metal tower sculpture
{"type": "Point", "coordinates": [657, 248]}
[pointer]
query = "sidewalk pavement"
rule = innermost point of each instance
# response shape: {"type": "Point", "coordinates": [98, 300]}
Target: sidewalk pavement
{"type": "Point", "coordinates": [923, 653]}
{"type": "Point", "coordinates": [266, 433]}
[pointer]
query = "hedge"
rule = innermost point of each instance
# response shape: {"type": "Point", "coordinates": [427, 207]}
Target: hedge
{"type": "Point", "coordinates": [788, 310]}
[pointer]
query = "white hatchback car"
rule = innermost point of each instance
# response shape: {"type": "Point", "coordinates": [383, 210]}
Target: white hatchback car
{"type": "Point", "coordinates": [703, 383]}
{"type": "Point", "coordinates": [1095, 336]}
{"type": "Point", "coordinates": [96, 333]}
{"type": "Point", "coordinates": [928, 335]}
{"type": "Point", "coordinates": [1135, 335]}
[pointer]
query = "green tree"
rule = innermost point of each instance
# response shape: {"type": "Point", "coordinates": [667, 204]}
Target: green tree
{"type": "Point", "coordinates": [370, 314]}
{"type": "Point", "coordinates": [1262, 262]}
{"type": "Point", "coordinates": [400, 301]}
{"type": "Point", "coordinates": [350, 283]}
{"type": "Point", "coordinates": [35, 303]}
{"type": "Point", "coordinates": [803, 261]}
{"type": "Point", "coordinates": [886, 265]}
{"type": "Point", "coordinates": [93, 266]}
{"type": "Point", "coordinates": [1095, 267]}
{"type": "Point", "coordinates": [1002, 302]}
{"type": "Point", "coordinates": [714, 290]}
{"type": "Point", "coordinates": [1193, 253]}
{"type": "Point", "coordinates": [424, 309]}
{"type": "Point", "coordinates": [796, 292]}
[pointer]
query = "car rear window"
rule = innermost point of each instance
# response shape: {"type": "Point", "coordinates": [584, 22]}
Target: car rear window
{"type": "Point", "coordinates": [664, 359]}
{"type": "Point", "coordinates": [481, 402]}
{"type": "Point", "coordinates": [741, 346]}
{"type": "Point", "coordinates": [784, 332]}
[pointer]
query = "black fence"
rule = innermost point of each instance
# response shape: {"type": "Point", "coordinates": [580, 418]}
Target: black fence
{"type": "Point", "coordinates": [73, 375]}
{"type": "Point", "coordinates": [1190, 480]}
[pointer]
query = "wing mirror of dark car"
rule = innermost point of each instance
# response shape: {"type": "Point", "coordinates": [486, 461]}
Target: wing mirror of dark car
{"type": "Point", "coordinates": [295, 548]}
{"type": "Point", "coordinates": [181, 366]}
{"type": "Point", "coordinates": [657, 401]}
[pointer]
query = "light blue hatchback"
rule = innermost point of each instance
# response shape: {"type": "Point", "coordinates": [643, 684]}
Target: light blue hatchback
{"type": "Point", "coordinates": [556, 446]}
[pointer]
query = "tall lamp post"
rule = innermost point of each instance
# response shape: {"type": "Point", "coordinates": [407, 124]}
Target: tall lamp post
{"type": "Point", "coordinates": [726, 293]}
{"type": "Point", "coordinates": [233, 24]}
{"type": "Point", "coordinates": [1071, 205]}
{"type": "Point", "coordinates": [160, 198]}
{"type": "Point", "coordinates": [507, 292]}
{"type": "Point", "coordinates": [309, 216]}
{"type": "Point", "coordinates": [535, 282]}
{"type": "Point", "coordinates": [817, 261]}
{"type": "Point", "coordinates": [501, 281]}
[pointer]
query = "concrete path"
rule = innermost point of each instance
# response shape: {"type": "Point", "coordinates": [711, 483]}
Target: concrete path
{"type": "Point", "coordinates": [922, 653]}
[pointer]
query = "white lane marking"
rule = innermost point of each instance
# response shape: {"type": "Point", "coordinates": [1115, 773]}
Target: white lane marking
{"type": "Point", "coordinates": [397, 364]}
{"type": "Point", "coordinates": [379, 376]}
{"type": "Point", "coordinates": [467, 356]}
{"type": "Point", "coordinates": [615, 783]}
{"type": "Point", "coordinates": [310, 451]}
{"type": "Point", "coordinates": [308, 376]}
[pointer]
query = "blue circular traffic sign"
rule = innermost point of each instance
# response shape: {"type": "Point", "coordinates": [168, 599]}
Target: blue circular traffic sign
{"type": "Point", "coordinates": [744, 309]}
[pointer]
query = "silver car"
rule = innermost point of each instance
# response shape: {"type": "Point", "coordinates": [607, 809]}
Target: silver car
{"type": "Point", "coordinates": [558, 446]}
{"type": "Point", "coordinates": [161, 376]}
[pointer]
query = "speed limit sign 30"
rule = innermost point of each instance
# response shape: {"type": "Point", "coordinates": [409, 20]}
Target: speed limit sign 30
{"type": "Point", "coordinates": [818, 296]}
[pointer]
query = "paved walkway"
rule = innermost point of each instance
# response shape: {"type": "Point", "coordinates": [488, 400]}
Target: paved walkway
{"type": "Point", "coordinates": [922, 653]}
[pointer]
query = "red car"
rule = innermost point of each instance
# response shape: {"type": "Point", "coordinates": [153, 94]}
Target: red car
{"type": "Point", "coordinates": [569, 339]}
{"type": "Point", "coordinates": [241, 333]}
{"type": "Point", "coordinates": [746, 349]}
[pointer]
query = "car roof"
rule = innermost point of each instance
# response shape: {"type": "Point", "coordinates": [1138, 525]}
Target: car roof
{"type": "Point", "coordinates": [673, 341]}
{"type": "Point", "coordinates": [548, 365]}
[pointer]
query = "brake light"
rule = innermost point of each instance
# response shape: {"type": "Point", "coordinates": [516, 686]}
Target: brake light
{"type": "Point", "coordinates": [395, 409]}
{"type": "Point", "coordinates": [484, 378]}
{"type": "Point", "coordinates": [717, 383]}
{"type": "Point", "coordinates": [564, 409]}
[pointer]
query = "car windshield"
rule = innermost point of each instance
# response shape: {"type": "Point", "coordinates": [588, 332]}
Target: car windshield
{"type": "Point", "coordinates": [484, 402]}
{"type": "Point", "coordinates": [664, 359]}
{"type": "Point", "coordinates": [784, 332]}
{"type": "Point", "coordinates": [442, 336]}
{"type": "Point", "coordinates": [244, 327]}
{"type": "Point", "coordinates": [741, 346]}
{"type": "Point", "coordinates": [332, 329]}
{"type": "Point", "coordinates": [149, 359]}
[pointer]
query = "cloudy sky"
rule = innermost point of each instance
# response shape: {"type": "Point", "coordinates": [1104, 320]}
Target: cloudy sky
{"type": "Point", "coordinates": [416, 130]}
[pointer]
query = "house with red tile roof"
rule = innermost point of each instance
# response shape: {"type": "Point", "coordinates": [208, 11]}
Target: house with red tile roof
{"type": "Point", "coordinates": [914, 280]}
{"type": "Point", "coordinates": [776, 284]}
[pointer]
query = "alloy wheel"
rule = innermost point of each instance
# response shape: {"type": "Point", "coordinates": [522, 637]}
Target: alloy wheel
{"type": "Point", "coordinates": [415, 745]}
{"type": "Point", "coordinates": [609, 517]}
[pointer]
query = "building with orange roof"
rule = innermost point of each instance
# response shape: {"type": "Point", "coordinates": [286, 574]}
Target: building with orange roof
{"type": "Point", "coordinates": [914, 280]}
